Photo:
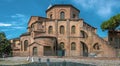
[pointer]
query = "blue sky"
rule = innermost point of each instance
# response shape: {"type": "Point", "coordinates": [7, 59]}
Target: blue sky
{"type": "Point", "coordinates": [14, 14]}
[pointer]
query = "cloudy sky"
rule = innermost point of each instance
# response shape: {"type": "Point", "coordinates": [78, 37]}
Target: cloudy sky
{"type": "Point", "coordinates": [14, 14]}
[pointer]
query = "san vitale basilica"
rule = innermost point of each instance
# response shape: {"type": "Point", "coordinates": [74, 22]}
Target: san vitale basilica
{"type": "Point", "coordinates": [62, 29]}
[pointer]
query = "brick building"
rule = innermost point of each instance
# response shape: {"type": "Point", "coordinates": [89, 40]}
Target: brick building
{"type": "Point", "coordinates": [62, 28]}
{"type": "Point", "coordinates": [114, 40]}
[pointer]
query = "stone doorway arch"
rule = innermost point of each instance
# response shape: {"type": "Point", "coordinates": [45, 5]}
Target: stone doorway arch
{"type": "Point", "coordinates": [84, 49]}
{"type": "Point", "coordinates": [35, 51]}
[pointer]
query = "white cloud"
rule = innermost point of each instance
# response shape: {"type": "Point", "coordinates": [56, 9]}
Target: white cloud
{"type": "Point", "coordinates": [18, 27]}
{"type": "Point", "coordinates": [103, 8]}
{"type": "Point", "coordinates": [18, 16]}
{"type": "Point", "coordinates": [19, 20]}
{"type": "Point", "coordinates": [5, 25]}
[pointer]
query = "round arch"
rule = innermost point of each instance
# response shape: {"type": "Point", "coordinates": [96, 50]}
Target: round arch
{"type": "Point", "coordinates": [73, 29]}
{"type": "Point", "coordinates": [62, 45]}
{"type": "Point", "coordinates": [96, 46]}
{"type": "Point", "coordinates": [84, 49]}
{"type": "Point", "coordinates": [62, 14]}
{"type": "Point", "coordinates": [35, 51]}
{"type": "Point", "coordinates": [73, 46]}
{"type": "Point", "coordinates": [62, 10]}
{"type": "Point", "coordinates": [50, 29]}
{"type": "Point", "coordinates": [62, 29]}
{"type": "Point", "coordinates": [50, 15]}
{"type": "Point", "coordinates": [83, 34]}
{"type": "Point", "coordinates": [25, 45]}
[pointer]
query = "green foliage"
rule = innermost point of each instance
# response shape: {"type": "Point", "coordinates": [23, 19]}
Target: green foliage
{"type": "Point", "coordinates": [5, 46]}
{"type": "Point", "coordinates": [112, 23]}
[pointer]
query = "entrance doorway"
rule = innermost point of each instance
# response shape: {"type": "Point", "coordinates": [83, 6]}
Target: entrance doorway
{"type": "Point", "coordinates": [35, 51]}
{"type": "Point", "coordinates": [84, 49]}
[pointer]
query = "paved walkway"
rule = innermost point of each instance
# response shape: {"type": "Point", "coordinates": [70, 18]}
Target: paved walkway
{"type": "Point", "coordinates": [23, 60]}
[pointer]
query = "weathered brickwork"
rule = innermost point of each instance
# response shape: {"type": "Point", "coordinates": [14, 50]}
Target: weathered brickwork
{"type": "Point", "coordinates": [114, 40]}
{"type": "Point", "coordinates": [62, 28]}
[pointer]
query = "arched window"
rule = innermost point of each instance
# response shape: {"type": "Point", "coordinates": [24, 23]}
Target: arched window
{"type": "Point", "coordinates": [35, 51]}
{"type": "Point", "coordinates": [73, 46]}
{"type": "Point", "coordinates": [62, 15]}
{"type": "Point", "coordinates": [25, 45]}
{"type": "Point", "coordinates": [39, 25]}
{"type": "Point", "coordinates": [74, 16]}
{"type": "Point", "coordinates": [32, 27]}
{"type": "Point", "coordinates": [73, 30]}
{"type": "Point", "coordinates": [62, 29]}
{"type": "Point", "coordinates": [96, 46]}
{"type": "Point", "coordinates": [50, 30]}
{"type": "Point", "coordinates": [50, 16]}
{"type": "Point", "coordinates": [62, 45]}
{"type": "Point", "coordinates": [21, 46]}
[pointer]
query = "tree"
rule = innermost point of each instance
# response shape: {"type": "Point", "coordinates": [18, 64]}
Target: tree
{"type": "Point", "coordinates": [5, 46]}
{"type": "Point", "coordinates": [112, 23]}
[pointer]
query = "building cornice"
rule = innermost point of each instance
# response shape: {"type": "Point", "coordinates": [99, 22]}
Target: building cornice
{"type": "Point", "coordinates": [62, 5]}
{"type": "Point", "coordinates": [25, 34]}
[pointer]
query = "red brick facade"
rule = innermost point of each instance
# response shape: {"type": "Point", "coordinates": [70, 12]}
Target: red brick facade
{"type": "Point", "coordinates": [62, 27]}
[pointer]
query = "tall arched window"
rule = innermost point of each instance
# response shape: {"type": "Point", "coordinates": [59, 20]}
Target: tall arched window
{"type": "Point", "coordinates": [73, 30]}
{"type": "Point", "coordinates": [25, 45]}
{"type": "Point", "coordinates": [62, 45]}
{"type": "Point", "coordinates": [84, 49]}
{"type": "Point", "coordinates": [62, 15]}
{"type": "Point", "coordinates": [32, 27]}
{"type": "Point", "coordinates": [21, 46]}
{"type": "Point", "coordinates": [35, 51]}
{"type": "Point", "coordinates": [39, 25]}
{"type": "Point", "coordinates": [50, 30]}
{"type": "Point", "coordinates": [62, 29]}
{"type": "Point", "coordinates": [73, 46]}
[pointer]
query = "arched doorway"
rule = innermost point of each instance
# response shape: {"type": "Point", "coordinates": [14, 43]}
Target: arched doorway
{"type": "Point", "coordinates": [84, 49]}
{"type": "Point", "coordinates": [34, 51]}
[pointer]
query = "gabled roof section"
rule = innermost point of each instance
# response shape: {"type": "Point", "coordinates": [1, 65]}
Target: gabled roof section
{"type": "Point", "coordinates": [34, 43]}
{"type": "Point", "coordinates": [62, 5]}
{"type": "Point", "coordinates": [38, 18]}
{"type": "Point", "coordinates": [90, 25]}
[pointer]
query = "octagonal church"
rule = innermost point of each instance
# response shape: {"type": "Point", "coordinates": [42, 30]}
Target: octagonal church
{"type": "Point", "coordinates": [62, 29]}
